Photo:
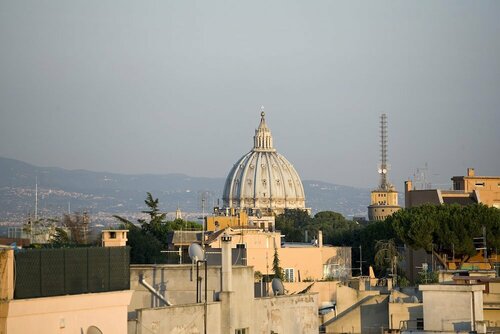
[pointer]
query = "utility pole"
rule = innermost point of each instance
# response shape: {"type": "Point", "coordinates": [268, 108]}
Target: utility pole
{"type": "Point", "coordinates": [484, 243]}
{"type": "Point", "coordinates": [203, 221]}
{"type": "Point", "coordinates": [36, 198]}
{"type": "Point", "coordinates": [360, 261]}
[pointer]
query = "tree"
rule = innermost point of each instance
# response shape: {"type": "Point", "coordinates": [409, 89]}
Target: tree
{"type": "Point", "coordinates": [149, 238]}
{"type": "Point", "coordinates": [78, 225]}
{"type": "Point", "coordinates": [278, 271]}
{"type": "Point", "coordinates": [39, 231]}
{"type": "Point", "coordinates": [292, 224]}
{"type": "Point", "coordinates": [386, 255]}
{"type": "Point", "coordinates": [447, 229]}
{"type": "Point", "coordinates": [60, 238]}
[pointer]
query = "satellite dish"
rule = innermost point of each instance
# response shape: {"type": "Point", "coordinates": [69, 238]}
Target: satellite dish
{"type": "Point", "coordinates": [259, 213]}
{"type": "Point", "coordinates": [196, 252]}
{"type": "Point", "coordinates": [379, 171]}
{"type": "Point", "coordinates": [93, 330]}
{"type": "Point", "coordinates": [384, 171]}
{"type": "Point", "coordinates": [277, 286]}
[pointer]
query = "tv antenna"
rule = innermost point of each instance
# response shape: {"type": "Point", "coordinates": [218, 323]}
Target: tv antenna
{"type": "Point", "coordinates": [383, 167]}
{"type": "Point", "coordinates": [278, 288]}
{"type": "Point", "coordinates": [197, 254]}
{"type": "Point", "coordinates": [36, 198]}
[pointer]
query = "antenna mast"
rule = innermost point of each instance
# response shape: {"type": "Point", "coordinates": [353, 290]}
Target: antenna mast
{"type": "Point", "coordinates": [36, 198]}
{"type": "Point", "coordinates": [383, 153]}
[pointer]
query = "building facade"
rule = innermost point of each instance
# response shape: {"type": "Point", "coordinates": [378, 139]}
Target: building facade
{"type": "Point", "coordinates": [468, 189]}
{"type": "Point", "coordinates": [300, 261]}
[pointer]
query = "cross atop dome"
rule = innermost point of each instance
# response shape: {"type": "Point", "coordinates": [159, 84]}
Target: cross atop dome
{"type": "Point", "coordinates": [263, 140]}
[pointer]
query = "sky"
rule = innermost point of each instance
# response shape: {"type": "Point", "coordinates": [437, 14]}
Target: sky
{"type": "Point", "coordinates": [176, 86]}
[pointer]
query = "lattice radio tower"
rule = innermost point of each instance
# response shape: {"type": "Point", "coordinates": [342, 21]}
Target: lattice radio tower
{"type": "Point", "coordinates": [383, 153]}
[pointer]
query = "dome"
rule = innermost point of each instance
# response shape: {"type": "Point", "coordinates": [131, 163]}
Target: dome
{"type": "Point", "coordinates": [264, 179]}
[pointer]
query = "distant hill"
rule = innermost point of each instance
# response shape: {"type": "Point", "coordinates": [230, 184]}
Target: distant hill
{"type": "Point", "coordinates": [119, 193]}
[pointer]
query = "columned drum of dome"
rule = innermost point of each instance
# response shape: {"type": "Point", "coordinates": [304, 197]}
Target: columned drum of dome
{"type": "Point", "coordinates": [264, 179]}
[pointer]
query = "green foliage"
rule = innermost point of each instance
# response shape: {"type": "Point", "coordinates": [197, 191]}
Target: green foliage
{"type": "Point", "coordinates": [427, 277]}
{"type": "Point", "coordinates": [292, 224]}
{"type": "Point", "coordinates": [60, 238]}
{"type": "Point", "coordinates": [441, 229]}
{"type": "Point", "coordinates": [150, 238]}
{"type": "Point", "coordinates": [144, 248]}
{"type": "Point", "coordinates": [403, 282]}
{"type": "Point", "coordinates": [386, 254]}
{"type": "Point", "coordinates": [447, 228]}
{"type": "Point", "coordinates": [336, 229]}
{"type": "Point", "coordinates": [278, 271]}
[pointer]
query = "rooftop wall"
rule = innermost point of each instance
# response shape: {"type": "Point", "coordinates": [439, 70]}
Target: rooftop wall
{"type": "Point", "coordinates": [66, 314]}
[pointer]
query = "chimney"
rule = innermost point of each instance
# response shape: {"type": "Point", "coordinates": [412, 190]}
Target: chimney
{"type": "Point", "coordinates": [320, 238]}
{"type": "Point", "coordinates": [408, 189]}
{"type": "Point", "coordinates": [227, 265]}
{"type": "Point", "coordinates": [470, 172]}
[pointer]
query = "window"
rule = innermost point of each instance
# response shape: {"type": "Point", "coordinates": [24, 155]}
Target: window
{"type": "Point", "coordinates": [420, 324]}
{"type": "Point", "coordinates": [241, 246]}
{"type": "Point", "coordinates": [112, 235]}
{"type": "Point", "coordinates": [289, 275]}
{"type": "Point", "coordinates": [241, 331]}
{"type": "Point", "coordinates": [479, 184]}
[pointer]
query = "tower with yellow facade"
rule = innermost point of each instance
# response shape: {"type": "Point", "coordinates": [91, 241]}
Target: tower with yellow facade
{"type": "Point", "coordinates": [384, 199]}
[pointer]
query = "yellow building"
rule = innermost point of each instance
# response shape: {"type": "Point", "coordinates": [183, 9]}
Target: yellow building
{"type": "Point", "coordinates": [237, 219]}
{"type": "Point", "coordinates": [383, 203]}
{"type": "Point", "coordinates": [299, 261]}
{"type": "Point", "coordinates": [467, 189]}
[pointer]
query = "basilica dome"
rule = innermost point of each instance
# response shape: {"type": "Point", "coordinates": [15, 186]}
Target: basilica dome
{"type": "Point", "coordinates": [263, 179]}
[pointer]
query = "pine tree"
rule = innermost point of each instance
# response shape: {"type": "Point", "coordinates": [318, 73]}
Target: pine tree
{"type": "Point", "coordinates": [278, 271]}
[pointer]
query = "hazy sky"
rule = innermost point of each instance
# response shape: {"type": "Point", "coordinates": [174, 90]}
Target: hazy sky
{"type": "Point", "coordinates": [176, 86]}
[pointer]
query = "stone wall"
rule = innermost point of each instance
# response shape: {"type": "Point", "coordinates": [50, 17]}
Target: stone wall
{"type": "Point", "coordinates": [286, 314]}
{"type": "Point", "coordinates": [180, 319]}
